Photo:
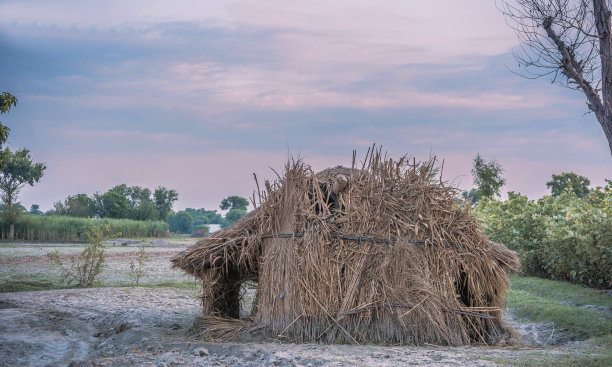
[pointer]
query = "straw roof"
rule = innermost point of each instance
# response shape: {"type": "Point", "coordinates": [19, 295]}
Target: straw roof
{"type": "Point", "coordinates": [377, 253]}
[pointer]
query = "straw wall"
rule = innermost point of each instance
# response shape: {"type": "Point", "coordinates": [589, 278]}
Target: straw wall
{"type": "Point", "coordinates": [375, 254]}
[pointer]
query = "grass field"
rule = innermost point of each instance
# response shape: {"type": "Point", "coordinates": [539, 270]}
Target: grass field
{"type": "Point", "coordinates": [62, 228]}
{"type": "Point", "coordinates": [585, 313]}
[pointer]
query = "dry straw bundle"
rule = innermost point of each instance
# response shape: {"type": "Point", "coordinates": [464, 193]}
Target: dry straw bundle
{"type": "Point", "coordinates": [378, 253]}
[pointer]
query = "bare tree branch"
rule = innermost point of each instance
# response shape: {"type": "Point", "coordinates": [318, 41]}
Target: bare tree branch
{"type": "Point", "coordinates": [569, 41]}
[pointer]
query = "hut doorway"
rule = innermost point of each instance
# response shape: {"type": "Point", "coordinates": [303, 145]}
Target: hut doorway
{"type": "Point", "coordinates": [247, 299]}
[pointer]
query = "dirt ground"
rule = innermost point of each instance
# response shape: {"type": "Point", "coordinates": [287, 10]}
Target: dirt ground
{"type": "Point", "coordinates": [151, 326]}
{"type": "Point", "coordinates": [138, 326]}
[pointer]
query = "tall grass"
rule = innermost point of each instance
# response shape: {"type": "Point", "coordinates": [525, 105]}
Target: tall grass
{"type": "Point", "coordinates": [61, 228]}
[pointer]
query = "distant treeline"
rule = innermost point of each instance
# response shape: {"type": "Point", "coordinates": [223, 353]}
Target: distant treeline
{"type": "Point", "coordinates": [120, 202]}
{"type": "Point", "coordinates": [133, 204]}
{"type": "Point", "coordinates": [31, 227]}
{"type": "Point", "coordinates": [195, 220]}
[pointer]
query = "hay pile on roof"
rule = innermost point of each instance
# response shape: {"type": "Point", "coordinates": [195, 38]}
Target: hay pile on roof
{"type": "Point", "coordinates": [377, 254]}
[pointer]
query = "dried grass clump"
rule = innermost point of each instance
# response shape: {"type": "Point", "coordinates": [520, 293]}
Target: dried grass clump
{"type": "Point", "coordinates": [377, 254]}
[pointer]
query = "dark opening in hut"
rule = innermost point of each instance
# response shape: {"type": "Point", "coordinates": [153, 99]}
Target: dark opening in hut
{"type": "Point", "coordinates": [377, 254]}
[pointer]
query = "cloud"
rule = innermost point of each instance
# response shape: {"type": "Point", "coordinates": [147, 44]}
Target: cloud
{"type": "Point", "coordinates": [196, 95]}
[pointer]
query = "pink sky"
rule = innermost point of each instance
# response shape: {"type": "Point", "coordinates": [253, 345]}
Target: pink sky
{"type": "Point", "coordinates": [196, 96]}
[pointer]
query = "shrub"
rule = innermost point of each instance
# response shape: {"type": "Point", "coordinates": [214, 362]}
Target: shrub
{"type": "Point", "coordinates": [517, 223]}
{"type": "Point", "coordinates": [562, 237]}
{"type": "Point", "coordinates": [578, 243]}
{"type": "Point", "coordinates": [85, 267]}
{"type": "Point", "coordinates": [137, 268]}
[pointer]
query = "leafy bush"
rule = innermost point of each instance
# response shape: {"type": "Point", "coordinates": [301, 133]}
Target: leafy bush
{"type": "Point", "coordinates": [578, 243]}
{"type": "Point", "coordinates": [562, 237]}
{"type": "Point", "coordinates": [517, 223]}
{"type": "Point", "coordinates": [85, 267]}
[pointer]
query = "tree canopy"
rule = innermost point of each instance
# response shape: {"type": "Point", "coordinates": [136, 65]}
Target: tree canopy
{"type": "Point", "coordinates": [79, 205]}
{"type": "Point", "coordinates": [180, 222]}
{"type": "Point", "coordinates": [579, 185]}
{"type": "Point", "coordinates": [164, 199]}
{"type": "Point", "coordinates": [35, 209]}
{"type": "Point", "coordinates": [7, 101]}
{"type": "Point", "coordinates": [17, 170]}
{"type": "Point", "coordinates": [121, 201]}
{"type": "Point", "coordinates": [234, 202]}
{"type": "Point", "coordinates": [487, 179]}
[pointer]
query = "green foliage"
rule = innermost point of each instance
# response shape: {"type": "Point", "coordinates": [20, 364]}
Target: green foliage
{"type": "Point", "coordinates": [180, 222]}
{"type": "Point", "coordinates": [17, 170]}
{"type": "Point", "coordinates": [137, 268]}
{"type": "Point", "coordinates": [234, 202]}
{"type": "Point", "coordinates": [79, 205]}
{"type": "Point", "coordinates": [565, 181]}
{"type": "Point", "coordinates": [121, 201]}
{"type": "Point", "coordinates": [35, 209]}
{"type": "Point", "coordinates": [518, 224]}
{"type": "Point", "coordinates": [145, 210]}
{"type": "Point", "coordinates": [487, 179]}
{"type": "Point", "coordinates": [62, 228]}
{"type": "Point", "coordinates": [563, 237]}
{"type": "Point", "coordinates": [234, 214]}
{"type": "Point", "coordinates": [11, 214]}
{"type": "Point", "coordinates": [203, 216]}
{"type": "Point", "coordinates": [6, 102]}
{"type": "Point", "coordinates": [112, 204]}
{"type": "Point", "coordinates": [85, 267]}
{"type": "Point", "coordinates": [164, 199]}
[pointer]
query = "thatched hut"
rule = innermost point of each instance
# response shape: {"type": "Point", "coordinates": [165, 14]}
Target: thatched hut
{"type": "Point", "coordinates": [377, 253]}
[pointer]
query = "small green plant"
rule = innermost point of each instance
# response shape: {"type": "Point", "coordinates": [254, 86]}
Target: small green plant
{"type": "Point", "coordinates": [85, 267]}
{"type": "Point", "coordinates": [137, 268]}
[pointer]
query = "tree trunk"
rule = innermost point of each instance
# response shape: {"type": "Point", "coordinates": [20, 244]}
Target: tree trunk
{"type": "Point", "coordinates": [602, 14]}
{"type": "Point", "coordinates": [11, 231]}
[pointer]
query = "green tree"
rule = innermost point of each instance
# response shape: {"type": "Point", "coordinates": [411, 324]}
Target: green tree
{"type": "Point", "coordinates": [234, 214]}
{"type": "Point", "coordinates": [579, 185]}
{"type": "Point", "coordinates": [163, 199]}
{"type": "Point", "coordinates": [79, 205]}
{"type": "Point", "coordinates": [17, 171]}
{"type": "Point", "coordinates": [145, 210]}
{"type": "Point", "coordinates": [140, 203]}
{"type": "Point", "coordinates": [180, 222]}
{"type": "Point", "coordinates": [35, 209]}
{"type": "Point", "coordinates": [137, 195]}
{"type": "Point", "coordinates": [487, 179]}
{"type": "Point", "coordinates": [112, 204]}
{"type": "Point", "coordinates": [6, 102]}
{"type": "Point", "coordinates": [203, 216]}
{"type": "Point", "coordinates": [234, 202]}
